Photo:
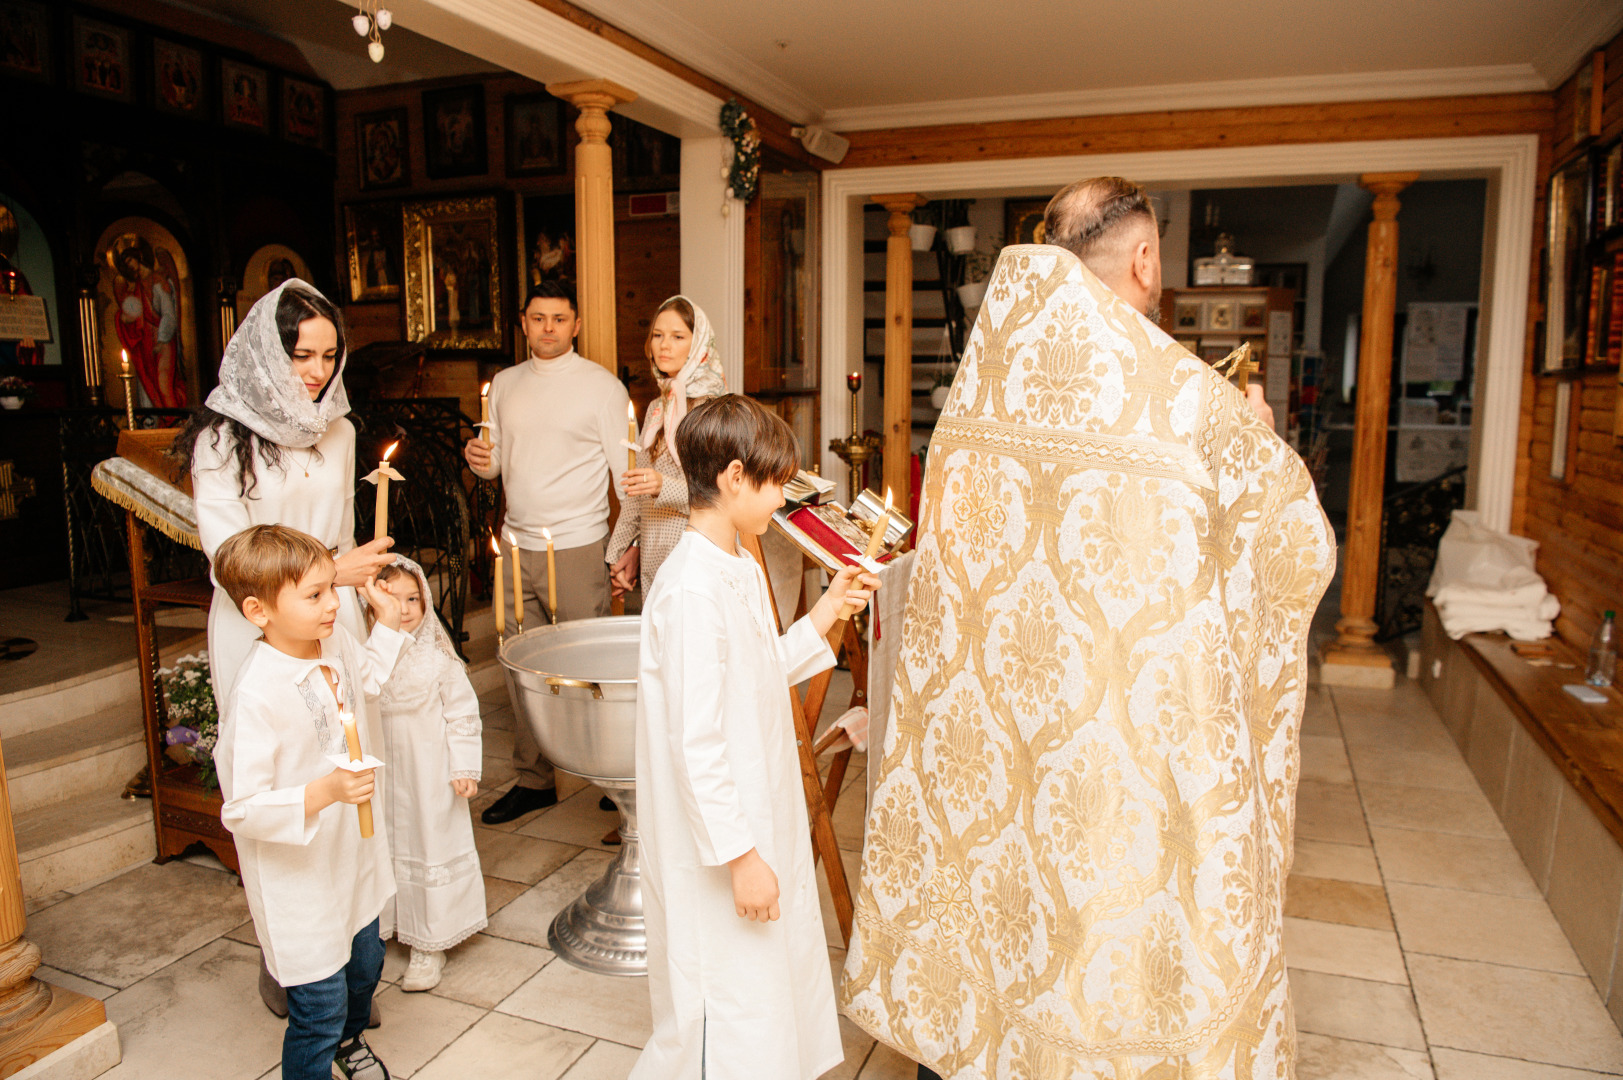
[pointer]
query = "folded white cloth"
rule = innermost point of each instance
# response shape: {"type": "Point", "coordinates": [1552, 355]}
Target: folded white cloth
{"type": "Point", "coordinates": [1527, 595]}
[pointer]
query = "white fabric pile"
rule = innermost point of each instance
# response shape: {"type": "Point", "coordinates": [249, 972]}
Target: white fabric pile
{"type": "Point", "coordinates": [1485, 581]}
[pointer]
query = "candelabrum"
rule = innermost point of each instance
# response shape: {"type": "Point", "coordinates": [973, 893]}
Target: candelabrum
{"type": "Point", "coordinates": [855, 449]}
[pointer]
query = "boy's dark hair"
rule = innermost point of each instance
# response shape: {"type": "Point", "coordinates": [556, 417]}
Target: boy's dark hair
{"type": "Point", "coordinates": [733, 428]}
{"type": "Point", "coordinates": [549, 290]}
{"type": "Point", "coordinates": [262, 559]}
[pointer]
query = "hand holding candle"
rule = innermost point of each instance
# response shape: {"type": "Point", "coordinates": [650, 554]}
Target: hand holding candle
{"type": "Point", "coordinates": [352, 736]}
{"type": "Point", "coordinates": [497, 603]}
{"type": "Point", "coordinates": [381, 477]}
{"type": "Point", "coordinates": [876, 542]}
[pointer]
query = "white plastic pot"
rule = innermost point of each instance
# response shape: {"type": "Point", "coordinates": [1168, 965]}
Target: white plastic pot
{"type": "Point", "coordinates": [971, 294]}
{"type": "Point", "coordinates": [938, 396]}
{"type": "Point", "coordinates": [961, 240]}
{"type": "Point", "coordinates": [922, 237]}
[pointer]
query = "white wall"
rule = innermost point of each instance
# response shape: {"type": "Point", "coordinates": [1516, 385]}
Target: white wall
{"type": "Point", "coordinates": [713, 250]}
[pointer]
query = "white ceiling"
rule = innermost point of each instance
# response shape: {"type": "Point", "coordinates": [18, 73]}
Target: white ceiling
{"type": "Point", "coordinates": [853, 64]}
{"type": "Point", "coordinates": [861, 63]}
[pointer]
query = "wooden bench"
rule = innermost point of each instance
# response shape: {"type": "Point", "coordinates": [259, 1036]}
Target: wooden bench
{"type": "Point", "coordinates": [1553, 769]}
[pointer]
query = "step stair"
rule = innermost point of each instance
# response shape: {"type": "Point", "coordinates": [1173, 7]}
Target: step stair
{"type": "Point", "coordinates": [70, 748]}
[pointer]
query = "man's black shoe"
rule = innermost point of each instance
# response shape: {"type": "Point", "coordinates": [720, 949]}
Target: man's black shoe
{"type": "Point", "coordinates": [518, 802]}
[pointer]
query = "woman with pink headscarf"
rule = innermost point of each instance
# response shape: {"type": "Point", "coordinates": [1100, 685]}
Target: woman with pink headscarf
{"type": "Point", "coordinates": [654, 496]}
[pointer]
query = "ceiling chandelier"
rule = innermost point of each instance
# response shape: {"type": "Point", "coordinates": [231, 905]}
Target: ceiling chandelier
{"type": "Point", "coordinates": [369, 22]}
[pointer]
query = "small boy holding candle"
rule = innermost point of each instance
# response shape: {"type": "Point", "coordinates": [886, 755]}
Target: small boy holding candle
{"type": "Point", "coordinates": [737, 959]}
{"type": "Point", "coordinates": [315, 885]}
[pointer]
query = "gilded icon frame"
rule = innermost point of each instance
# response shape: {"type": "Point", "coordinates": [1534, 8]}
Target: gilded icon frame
{"type": "Point", "coordinates": [453, 263]}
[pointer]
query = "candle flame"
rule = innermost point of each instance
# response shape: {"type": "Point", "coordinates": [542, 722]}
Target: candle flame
{"type": "Point", "coordinates": [631, 411]}
{"type": "Point", "coordinates": [546, 534]}
{"type": "Point", "coordinates": [494, 546]}
{"type": "Point", "coordinates": [887, 498]}
{"type": "Point", "coordinates": [510, 537]}
{"type": "Point", "coordinates": [389, 451]}
{"type": "Point", "coordinates": [484, 391]}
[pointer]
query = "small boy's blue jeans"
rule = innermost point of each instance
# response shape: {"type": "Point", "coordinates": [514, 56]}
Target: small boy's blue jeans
{"type": "Point", "coordinates": [320, 1015]}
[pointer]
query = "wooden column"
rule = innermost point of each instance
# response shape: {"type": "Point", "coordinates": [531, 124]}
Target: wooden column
{"type": "Point", "coordinates": [35, 1018]}
{"type": "Point", "coordinates": [594, 214]}
{"type": "Point", "coordinates": [898, 344]}
{"type": "Point", "coordinates": [1354, 658]}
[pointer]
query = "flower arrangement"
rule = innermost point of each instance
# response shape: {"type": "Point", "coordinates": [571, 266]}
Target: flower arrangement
{"type": "Point", "coordinates": [12, 386]}
{"type": "Point", "coordinates": [192, 725]}
{"type": "Point", "coordinates": [744, 171]}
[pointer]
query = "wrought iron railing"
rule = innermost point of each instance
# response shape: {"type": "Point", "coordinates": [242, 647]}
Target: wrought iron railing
{"type": "Point", "coordinates": [1412, 522]}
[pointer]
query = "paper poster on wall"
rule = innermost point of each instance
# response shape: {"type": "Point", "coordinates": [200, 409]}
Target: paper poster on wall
{"type": "Point", "coordinates": [1279, 333]}
{"type": "Point", "coordinates": [1424, 455]}
{"type": "Point", "coordinates": [1434, 343]}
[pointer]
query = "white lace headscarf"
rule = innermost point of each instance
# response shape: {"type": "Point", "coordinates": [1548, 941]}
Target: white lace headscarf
{"type": "Point", "coordinates": [259, 388]}
{"type": "Point", "coordinates": [426, 658]}
{"type": "Point", "coordinates": [702, 376]}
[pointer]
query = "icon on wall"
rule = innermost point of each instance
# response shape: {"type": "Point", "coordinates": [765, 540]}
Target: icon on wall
{"type": "Point", "coordinates": [101, 58]}
{"type": "Point", "coordinates": [246, 92]}
{"type": "Point", "coordinates": [177, 78]}
{"type": "Point", "coordinates": [145, 296]}
{"type": "Point", "coordinates": [380, 142]}
{"type": "Point", "coordinates": [373, 239]}
{"type": "Point", "coordinates": [535, 135]}
{"type": "Point", "coordinates": [454, 132]}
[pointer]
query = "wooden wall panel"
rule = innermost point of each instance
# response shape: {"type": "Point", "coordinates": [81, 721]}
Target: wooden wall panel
{"type": "Point", "coordinates": [1578, 520]}
{"type": "Point", "coordinates": [1491, 114]}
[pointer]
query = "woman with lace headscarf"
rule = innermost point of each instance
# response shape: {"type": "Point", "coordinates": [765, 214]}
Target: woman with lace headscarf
{"type": "Point", "coordinates": [431, 732]}
{"type": "Point", "coordinates": [654, 496]}
{"type": "Point", "coordinates": [272, 446]}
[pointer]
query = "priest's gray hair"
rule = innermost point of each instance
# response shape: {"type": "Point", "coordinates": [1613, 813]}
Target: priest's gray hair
{"type": "Point", "coordinates": [1094, 219]}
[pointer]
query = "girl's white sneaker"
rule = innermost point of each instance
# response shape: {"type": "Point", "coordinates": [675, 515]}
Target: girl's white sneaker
{"type": "Point", "coordinates": [423, 973]}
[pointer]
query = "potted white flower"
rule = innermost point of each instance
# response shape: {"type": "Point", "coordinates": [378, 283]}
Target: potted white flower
{"type": "Point", "coordinates": [961, 239]}
{"type": "Point", "coordinates": [977, 268]}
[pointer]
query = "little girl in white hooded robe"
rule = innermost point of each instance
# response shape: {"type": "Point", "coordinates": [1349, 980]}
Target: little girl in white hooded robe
{"type": "Point", "coordinates": [431, 736]}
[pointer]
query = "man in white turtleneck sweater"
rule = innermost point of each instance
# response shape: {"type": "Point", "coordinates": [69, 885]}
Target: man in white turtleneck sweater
{"type": "Point", "coordinates": [556, 428]}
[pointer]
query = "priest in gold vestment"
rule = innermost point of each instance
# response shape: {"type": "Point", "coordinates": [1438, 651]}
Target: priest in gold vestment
{"type": "Point", "coordinates": [1082, 824]}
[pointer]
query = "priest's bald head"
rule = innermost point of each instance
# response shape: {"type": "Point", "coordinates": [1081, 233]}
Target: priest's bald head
{"type": "Point", "coordinates": [1109, 224]}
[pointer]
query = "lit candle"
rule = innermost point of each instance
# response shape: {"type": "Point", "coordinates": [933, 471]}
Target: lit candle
{"type": "Point", "coordinates": [631, 435]}
{"type": "Point", "coordinates": [381, 477]}
{"type": "Point", "coordinates": [876, 541]}
{"type": "Point", "coordinates": [352, 736]}
{"type": "Point", "coordinates": [497, 601]}
{"type": "Point", "coordinates": [518, 583]}
{"type": "Point", "coordinates": [552, 577]}
{"type": "Point", "coordinates": [124, 363]}
{"type": "Point", "coordinates": [484, 406]}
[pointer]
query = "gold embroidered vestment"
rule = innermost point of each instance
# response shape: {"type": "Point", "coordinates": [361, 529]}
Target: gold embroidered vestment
{"type": "Point", "coordinates": [1082, 823]}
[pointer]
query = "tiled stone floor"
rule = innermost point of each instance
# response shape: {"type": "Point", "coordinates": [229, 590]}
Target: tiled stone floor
{"type": "Point", "coordinates": [1419, 947]}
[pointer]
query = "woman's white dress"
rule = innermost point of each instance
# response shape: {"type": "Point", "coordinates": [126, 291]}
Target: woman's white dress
{"type": "Point", "coordinates": [718, 774]}
{"type": "Point", "coordinates": [321, 503]}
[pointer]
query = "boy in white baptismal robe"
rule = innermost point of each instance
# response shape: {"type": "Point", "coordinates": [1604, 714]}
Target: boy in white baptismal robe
{"type": "Point", "coordinates": [315, 886]}
{"type": "Point", "coordinates": [738, 967]}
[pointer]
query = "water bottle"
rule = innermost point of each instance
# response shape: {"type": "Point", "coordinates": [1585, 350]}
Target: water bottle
{"type": "Point", "coordinates": [1603, 654]}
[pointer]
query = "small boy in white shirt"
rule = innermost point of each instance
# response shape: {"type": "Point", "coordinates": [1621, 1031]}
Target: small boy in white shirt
{"type": "Point", "coordinates": [315, 887]}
